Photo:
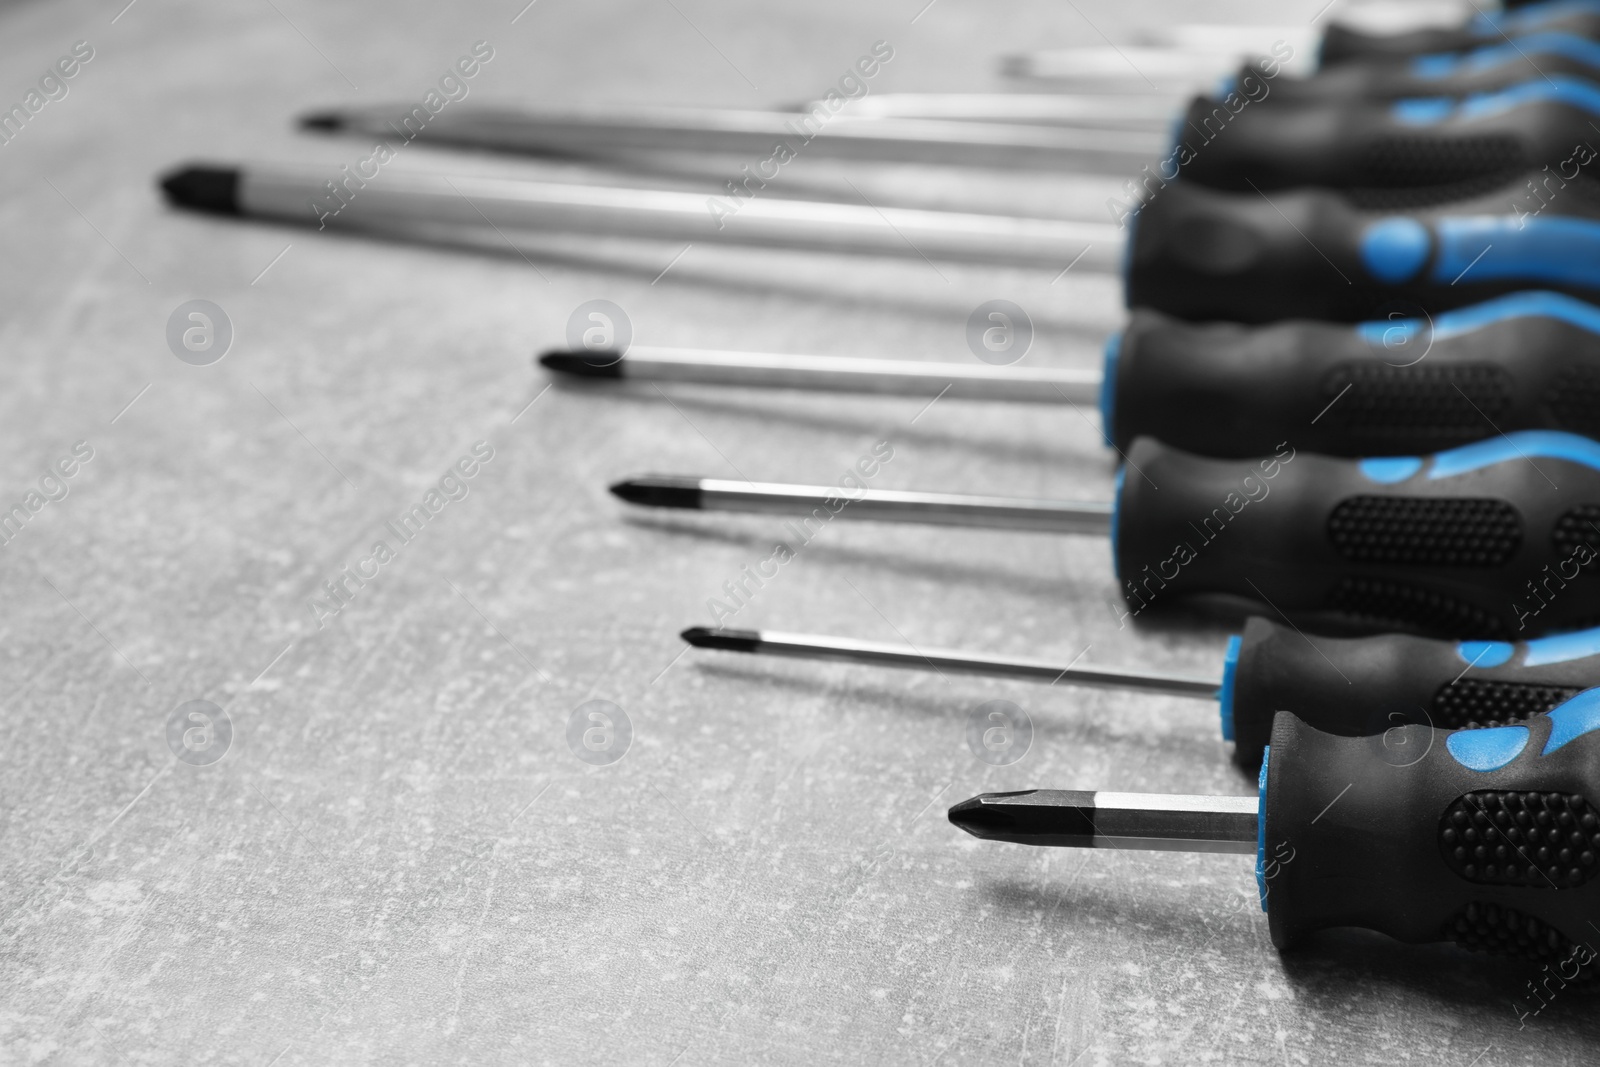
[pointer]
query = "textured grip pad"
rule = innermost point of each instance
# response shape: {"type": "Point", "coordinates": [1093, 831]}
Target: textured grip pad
{"type": "Point", "coordinates": [1521, 838]}
{"type": "Point", "coordinates": [1505, 931]}
{"type": "Point", "coordinates": [1444, 401]}
{"type": "Point", "coordinates": [1428, 531]}
{"type": "Point", "coordinates": [1470, 703]}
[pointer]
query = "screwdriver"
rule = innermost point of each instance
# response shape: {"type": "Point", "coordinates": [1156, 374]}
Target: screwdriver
{"type": "Point", "coordinates": [1526, 361]}
{"type": "Point", "coordinates": [1207, 254]}
{"type": "Point", "coordinates": [1484, 69]}
{"type": "Point", "coordinates": [603, 132]}
{"type": "Point", "coordinates": [1416, 141]}
{"type": "Point", "coordinates": [1490, 540]}
{"type": "Point", "coordinates": [1342, 43]}
{"type": "Point", "coordinates": [1196, 253]}
{"type": "Point", "coordinates": [1350, 686]}
{"type": "Point", "coordinates": [1486, 837]}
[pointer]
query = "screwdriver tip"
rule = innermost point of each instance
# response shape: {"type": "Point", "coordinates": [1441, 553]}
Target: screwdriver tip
{"type": "Point", "coordinates": [1029, 817]}
{"type": "Point", "coordinates": [583, 364]}
{"type": "Point", "coordinates": [323, 121]}
{"type": "Point", "coordinates": [725, 640]}
{"type": "Point", "coordinates": [200, 187]}
{"type": "Point", "coordinates": [660, 491]}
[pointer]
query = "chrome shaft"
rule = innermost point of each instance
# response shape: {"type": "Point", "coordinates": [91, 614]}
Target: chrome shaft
{"type": "Point", "coordinates": [970, 381]}
{"type": "Point", "coordinates": [888, 505]}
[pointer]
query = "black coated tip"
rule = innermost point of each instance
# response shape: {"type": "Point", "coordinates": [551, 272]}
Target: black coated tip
{"type": "Point", "coordinates": [201, 188]}
{"type": "Point", "coordinates": [583, 364]}
{"type": "Point", "coordinates": [725, 640]}
{"type": "Point", "coordinates": [660, 491]}
{"type": "Point", "coordinates": [323, 121]}
{"type": "Point", "coordinates": [1026, 818]}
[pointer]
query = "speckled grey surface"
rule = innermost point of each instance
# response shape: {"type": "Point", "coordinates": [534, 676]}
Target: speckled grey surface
{"type": "Point", "coordinates": [399, 859]}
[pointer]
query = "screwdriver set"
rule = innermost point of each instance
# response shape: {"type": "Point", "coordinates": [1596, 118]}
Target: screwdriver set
{"type": "Point", "coordinates": [1357, 394]}
{"type": "Point", "coordinates": [1356, 391]}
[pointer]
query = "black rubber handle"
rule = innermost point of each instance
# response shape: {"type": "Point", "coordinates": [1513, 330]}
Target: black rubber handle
{"type": "Point", "coordinates": [1489, 838]}
{"type": "Point", "coordinates": [1368, 686]}
{"type": "Point", "coordinates": [1485, 69]}
{"type": "Point", "coordinates": [1488, 69]}
{"type": "Point", "coordinates": [1205, 254]}
{"type": "Point", "coordinates": [1342, 43]}
{"type": "Point", "coordinates": [1529, 361]}
{"type": "Point", "coordinates": [1370, 144]}
{"type": "Point", "coordinates": [1495, 540]}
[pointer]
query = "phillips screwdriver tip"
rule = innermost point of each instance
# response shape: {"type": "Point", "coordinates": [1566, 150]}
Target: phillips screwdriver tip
{"type": "Point", "coordinates": [660, 491]}
{"type": "Point", "coordinates": [725, 640]}
{"type": "Point", "coordinates": [582, 364]}
{"type": "Point", "coordinates": [327, 121]}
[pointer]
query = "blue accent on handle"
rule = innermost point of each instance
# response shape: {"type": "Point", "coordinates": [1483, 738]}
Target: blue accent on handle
{"type": "Point", "coordinates": [1487, 750]}
{"type": "Point", "coordinates": [1441, 65]}
{"type": "Point", "coordinates": [1423, 110]}
{"type": "Point", "coordinates": [1438, 65]}
{"type": "Point", "coordinates": [1562, 648]}
{"type": "Point", "coordinates": [1116, 515]}
{"type": "Point", "coordinates": [1570, 721]}
{"type": "Point", "coordinates": [1523, 444]}
{"type": "Point", "coordinates": [1531, 16]}
{"type": "Point", "coordinates": [1563, 251]}
{"type": "Point", "coordinates": [1261, 827]}
{"type": "Point", "coordinates": [1558, 89]}
{"type": "Point", "coordinates": [1394, 250]}
{"type": "Point", "coordinates": [1532, 304]}
{"type": "Point", "coordinates": [1108, 387]}
{"type": "Point", "coordinates": [1387, 470]}
{"type": "Point", "coordinates": [1392, 334]}
{"type": "Point", "coordinates": [1230, 668]}
{"type": "Point", "coordinates": [1396, 333]}
{"type": "Point", "coordinates": [1485, 653]}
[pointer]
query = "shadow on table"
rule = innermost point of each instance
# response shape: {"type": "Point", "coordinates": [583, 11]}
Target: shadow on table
{"type": "Point", "coordinates": [561, 250]}
{"type": "Point", "coordinates": [1055, 724]}
{"type": "Point", "coordinates": [977, 574]}
{"type": "Point", "coordinates": [1331, 970]}
{"type": "Point", "coordinates": [767, 406]}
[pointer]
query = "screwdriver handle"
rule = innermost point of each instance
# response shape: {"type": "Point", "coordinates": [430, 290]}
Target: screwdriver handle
{"type": "Point", "coordinates": [1496, 540]}
{"type": "Point", "coordinates": [1361, 687]}
{"type": "Point", "coordinates": [1207, 254]}
{"type": "Point", "coordinates": [1486, 68]}
{"type": "Point", "coordinates": [1489, 838]}
{"type": "Point", "coordinates": [1234, 143]}
{"type": "Point", "coordinates": [1526, 361]}
{"type": "Point", "coordinates": [1342, 43]}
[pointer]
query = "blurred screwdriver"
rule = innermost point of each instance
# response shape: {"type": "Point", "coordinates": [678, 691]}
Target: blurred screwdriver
{"type": "Point", "coordinates": [1342, 43]}
{"type": "Point", "coordinates": [1484, 837]}
{"type": "Point", "coordinates": [1547, 121]}
{"type": "Point", "coordinates": [1522, 362]}
{"type": "Point", "coordinates": [591, 132]}
{"type": "Point", "coordinates": [1196, 253]}
{"type": "Point", "coordinates": [1489, 540]}
{"type": "Point", "coordinates": [1353, 687]}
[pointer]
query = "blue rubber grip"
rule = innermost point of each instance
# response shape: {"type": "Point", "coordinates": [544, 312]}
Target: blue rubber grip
{"type": "Point", "coordinates": [1522, 445]}
{"type": "Point", "coordinates": [1493, 748]}
{"type": "Point", "coordinates": [1441, 65]}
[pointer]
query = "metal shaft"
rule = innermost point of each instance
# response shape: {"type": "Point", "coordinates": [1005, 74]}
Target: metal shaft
{"type": "Point", "coordinates": [600, 132]}
{"type": "Point", "coordinates": [1073, 818]}
{"type": "Point", "coordinates": [849, 650]}
{"type": "Point", "coordinates": [394, 200]}
{"type": "Point", "coordinates": [1096, 111]}
{"type": "Point", "coordinates": [889, 505]}
{"type": "Point", "coordinates": [1132, 68]}
{"type": "Point", "coordinates": [969, 381]}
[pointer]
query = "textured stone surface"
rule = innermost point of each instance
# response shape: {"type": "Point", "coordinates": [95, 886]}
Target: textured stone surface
{"type": "Point", "coordinates": [399, 860]}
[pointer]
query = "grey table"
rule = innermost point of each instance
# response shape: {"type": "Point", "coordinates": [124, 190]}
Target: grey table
{"type": "Point", "coordinates": [399, 858]}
